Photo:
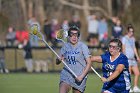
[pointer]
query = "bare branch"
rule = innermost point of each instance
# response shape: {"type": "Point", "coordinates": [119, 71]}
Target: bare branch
{"type": "Point", "coordinates": [85, 7]}
{"type": "Point", "coordinates": [71, 4]}
{"type": "Point", "coordinates": [100, 9]}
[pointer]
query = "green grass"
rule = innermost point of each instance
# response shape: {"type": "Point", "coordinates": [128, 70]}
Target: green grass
{"type": "Point", "coordinates": [40, 83]}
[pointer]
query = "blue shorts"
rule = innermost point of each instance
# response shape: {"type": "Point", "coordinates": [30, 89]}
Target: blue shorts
{"type": "Point", "coordinates": [112, 90]}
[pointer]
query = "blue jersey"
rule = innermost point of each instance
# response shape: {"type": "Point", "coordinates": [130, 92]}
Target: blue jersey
{"type": "Point", "coordinates": [120, 83]}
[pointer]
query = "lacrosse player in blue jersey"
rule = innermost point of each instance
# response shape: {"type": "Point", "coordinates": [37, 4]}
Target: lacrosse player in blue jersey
{"type": "Point", "coordinates": [116, 76]}
{"type": "Point", "coordinates": [77, 56]}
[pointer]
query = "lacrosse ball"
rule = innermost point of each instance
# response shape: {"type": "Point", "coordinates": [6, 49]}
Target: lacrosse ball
{"type": "Point", "coordinates": [35, 32]}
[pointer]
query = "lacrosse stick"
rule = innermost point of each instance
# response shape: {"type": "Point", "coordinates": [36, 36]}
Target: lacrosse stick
{"type": "Point", "coordinates": [60, 36]}
{"type": "Point", "coordinates": [35, 31]}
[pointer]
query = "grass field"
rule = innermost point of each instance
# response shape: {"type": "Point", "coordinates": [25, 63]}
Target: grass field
{"type": "Point", "coordinates": [40, 83]}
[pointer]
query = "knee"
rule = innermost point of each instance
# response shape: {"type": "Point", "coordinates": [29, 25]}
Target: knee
{"type": "Point", "coordinates": [137, 74]}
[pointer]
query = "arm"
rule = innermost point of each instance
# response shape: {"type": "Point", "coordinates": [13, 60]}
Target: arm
{"type": "Point", "coordinates": [116, 73]}
{"type": "Point", "coordinates": [61, 55]}
{"type": "Point", "coordinates": [88, 66]}
{"type": "Point", "coordinates": [25, 42]}
{"type": "Point", "coordinates": [58, 61]}
{"type": "Point", "coordinates": [123, 44]}
{"type": "Point", "coordinates": [123, 49]}
{"type": "Point", "coordinates": [136, 53]}
{"type": "Point", "coordinates": [96, 58]}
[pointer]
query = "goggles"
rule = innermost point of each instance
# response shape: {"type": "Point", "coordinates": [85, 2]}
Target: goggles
{"type": "Point", "coordinates": [74, 34]}
{"type": "Point", "coordinates": [112, 47]}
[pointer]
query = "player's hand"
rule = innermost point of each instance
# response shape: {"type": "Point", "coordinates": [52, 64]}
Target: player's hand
{"type": "Point", "coordinates": [104, 79]}
{"type": "Point", "coordinates": [58, 61]}
{"type": "Point", "coordinates": [79, 78]}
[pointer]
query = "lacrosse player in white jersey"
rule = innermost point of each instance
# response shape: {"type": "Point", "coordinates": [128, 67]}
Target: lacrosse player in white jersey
{"type": "Point", "coordinates": [77, 56]}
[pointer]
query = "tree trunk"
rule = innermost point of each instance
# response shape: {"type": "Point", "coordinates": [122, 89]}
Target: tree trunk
{"type": "Point", "coordinates": [40, 10]}
{"type": "Point", "coordinates": [109, 3]}
{"type": "Point", "coordinates": [30, 9]}
{"type": "Point", "coordinates": [23, 6]}
{"type": "Point", "coordinates": [86, 8]}
{"type": "Point", "coordinates": [0, 5]}
{"type": "Point", "coordinates": [128, 4]}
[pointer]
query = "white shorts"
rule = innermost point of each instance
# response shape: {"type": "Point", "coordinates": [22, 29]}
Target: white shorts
{"type": "Point", "coordinates": [68, 78]}
{"type": "Point", "coordinates": [132, 62]}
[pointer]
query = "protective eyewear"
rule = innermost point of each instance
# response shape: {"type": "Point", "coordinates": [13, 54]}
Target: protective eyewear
{"type": "Point", "coordinates": [112, 47]}
{"type": "Point", "coordinates": [74, 34]}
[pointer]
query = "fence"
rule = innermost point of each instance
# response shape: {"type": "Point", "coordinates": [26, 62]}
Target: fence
{"type": "Point", "coordinates": [14, 57]}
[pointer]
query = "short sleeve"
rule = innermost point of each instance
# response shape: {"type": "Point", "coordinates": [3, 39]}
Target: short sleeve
{"type": "Point", "coordinates": [123, 60]}
{"type": "Point", "coordinates": [62, 51]}
{"type": "Point", "coordinates": [86, 51]}
{"type": "Point", "coordinates": [123, 40]}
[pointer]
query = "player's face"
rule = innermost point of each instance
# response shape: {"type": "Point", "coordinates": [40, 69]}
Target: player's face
{"type": "Point", "coordinates": [113, 48]}
{"type": "Point", "coordinates": [74, 37]}
{"type": "Point", "coordinates": [131, 32]}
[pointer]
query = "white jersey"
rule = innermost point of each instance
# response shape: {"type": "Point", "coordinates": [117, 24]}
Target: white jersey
{"type": "Point", "coordinates": [75, 57]}
{"type": "Point", "coordinates": [129, 46]}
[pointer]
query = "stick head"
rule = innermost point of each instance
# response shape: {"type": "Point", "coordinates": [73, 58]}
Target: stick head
{"type": "Point", "coordinates": [61, 35]}
{"type": "Point", "coordinates": [35, 30]}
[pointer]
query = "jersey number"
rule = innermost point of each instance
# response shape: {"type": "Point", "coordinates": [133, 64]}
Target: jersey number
{"type": "Point", "coordinates": [71, 60]}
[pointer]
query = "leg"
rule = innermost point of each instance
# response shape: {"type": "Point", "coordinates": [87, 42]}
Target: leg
{"type": "Point", "coordinates": [136, 73]}
{"type": "Point", "coordinates": [29, 65]}
{"type": "Point", "coordinates": [37, 66]}
{"type": "Point", "coordinates": [64, 87]}
{"type": "Point", "coordinates": [2, 66]}
{"type": "Point", "coordinates": [1, 70]}
{"type": "Point", "coordinates": [44, 66]}
{"type": "Point", "coordinates": [76, 90]}
{"type": "Point", "coordinates": [130, 69]}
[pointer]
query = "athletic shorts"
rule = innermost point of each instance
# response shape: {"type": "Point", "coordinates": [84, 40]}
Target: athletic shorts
{"type": "Point", "coordinates": [67, 77]}
{"type": "Point", "coordinates": [111, 90]}
{"type": "Point", "coordinates": [132, 62]}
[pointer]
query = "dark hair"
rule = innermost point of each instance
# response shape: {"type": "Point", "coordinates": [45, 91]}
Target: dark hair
{"type": "Point", "coordinates": [129, 26]}
{"type": "Point", "coordinates": [119, 43]}
{"type": "Point", "coordinates": [74, 28]}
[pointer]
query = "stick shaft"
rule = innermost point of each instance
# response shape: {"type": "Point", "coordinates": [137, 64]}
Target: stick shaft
{"type": "Point", "coordinates": [91, 67]}
{"type": "Point", "coordinates": [96, 72]}
{"type": "Point", "coordinates": [59, 57]}
{"type": "Point", "coordinates": [41, 37]}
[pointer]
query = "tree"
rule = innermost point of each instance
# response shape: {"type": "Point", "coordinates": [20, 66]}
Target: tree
{"type": "Point", "coordinates": [86, 8]}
